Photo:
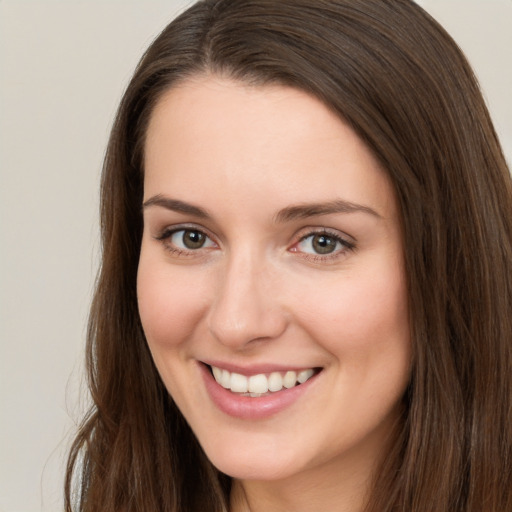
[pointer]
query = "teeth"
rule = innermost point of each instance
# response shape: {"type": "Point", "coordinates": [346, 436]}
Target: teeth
{"type": "Point", "coordinates": [238, 383]}
{"type": "Point", "coordinates": [217, 373]}
{"type": "Point", "coordinates": [290, 378]}
{"type": "Point", "coordinates": [260, 384]}
{"type": "Point", "coordinates": [225, 379]}
{"type": "Point", "coordinates": [304, 375]}
{"type": "Point", "coordinates": [275, 382]}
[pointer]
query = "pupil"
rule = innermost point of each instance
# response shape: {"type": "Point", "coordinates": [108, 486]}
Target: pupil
{"type": "Point", "coordinates": [193, 239]}
{"type": "Point", "coordinates": [323, 244]}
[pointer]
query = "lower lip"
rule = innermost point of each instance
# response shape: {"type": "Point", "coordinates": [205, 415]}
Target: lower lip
{"type": "Point", "coordinates": [252, 408]}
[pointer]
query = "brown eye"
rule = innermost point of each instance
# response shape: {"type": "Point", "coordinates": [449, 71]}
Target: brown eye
{"type": "Point", "coordinates": [323, 244]}
{"type": "Point", "coordinates": [193, 239]}
{"type": "Point", "coordinates": [188, 240]}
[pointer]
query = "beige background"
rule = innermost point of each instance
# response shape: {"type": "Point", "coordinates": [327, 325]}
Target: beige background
{"type": "Point", "coordinates": [63, 66]}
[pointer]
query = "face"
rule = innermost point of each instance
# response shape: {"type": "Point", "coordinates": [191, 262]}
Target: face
{"type": "Point", "coordinates": [271, 282]}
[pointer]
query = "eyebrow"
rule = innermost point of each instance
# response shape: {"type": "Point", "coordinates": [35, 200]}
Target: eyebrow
{"type": "Point", "coordinates": [290, 213]}
{"type": "Point", "coordinates": [302, 211]}
{"type": "Point", "coordinates": [176, 206]}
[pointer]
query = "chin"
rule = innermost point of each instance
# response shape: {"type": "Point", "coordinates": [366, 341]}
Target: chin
{"type": "Point", "coordinates": [254, 462]}
{"type": "Point", "coordinates": [244, 470]}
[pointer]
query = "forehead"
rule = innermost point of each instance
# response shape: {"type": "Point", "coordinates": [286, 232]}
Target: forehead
{"type": "Point", "coordinates": [212, 134]}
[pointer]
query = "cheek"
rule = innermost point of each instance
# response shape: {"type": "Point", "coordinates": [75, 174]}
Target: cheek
{"type": "Point", "coordinates": [359, 312]}
{"type": "Point", "coordinates": [362, 321]}
{"type": "Point", "coordinates": [170, 303]}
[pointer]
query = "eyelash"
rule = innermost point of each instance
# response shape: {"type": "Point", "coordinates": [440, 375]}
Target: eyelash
{"type": "Point", "coordinates": [345, 245]}
{"type": "Point", "coordinates": [167, 234]}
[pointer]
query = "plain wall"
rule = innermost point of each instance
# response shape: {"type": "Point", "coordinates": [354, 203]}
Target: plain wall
{"type": "Point", "coordinates": [63, 67]}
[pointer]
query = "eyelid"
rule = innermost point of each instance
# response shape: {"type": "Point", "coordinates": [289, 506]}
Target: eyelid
{"type": "Point", "coordinates": [187, 226]}
{"type": "Point", "coordinates": [348, 243]}
{"type": "Point", "coordinates": [167, 232]}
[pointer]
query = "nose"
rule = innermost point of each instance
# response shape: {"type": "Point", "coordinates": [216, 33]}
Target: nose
{"type": "Point", "coordinates": [246, 308]}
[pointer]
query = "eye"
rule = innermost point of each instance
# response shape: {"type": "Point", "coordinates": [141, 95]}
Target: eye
{"type": "Point", "coordinates": [185, 240]}
{"type": "Point", "coordinates": [322, 244]}
{"type": "Point", "coordinates": [190, 239]}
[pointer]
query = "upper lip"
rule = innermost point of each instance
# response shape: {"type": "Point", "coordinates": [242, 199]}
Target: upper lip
{"type": "Point", "coordinates": [255, 369]}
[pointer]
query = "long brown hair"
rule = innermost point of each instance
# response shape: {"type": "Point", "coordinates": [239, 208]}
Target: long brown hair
{"type": "Point", "coordinates": [401, 82]}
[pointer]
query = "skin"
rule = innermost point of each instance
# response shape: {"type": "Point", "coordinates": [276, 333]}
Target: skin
{"type": "Point", "coordinates": [257, 291]}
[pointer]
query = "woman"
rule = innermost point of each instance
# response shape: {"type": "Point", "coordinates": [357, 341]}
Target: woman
{"type": "Point", "coordinates": [306, 280]}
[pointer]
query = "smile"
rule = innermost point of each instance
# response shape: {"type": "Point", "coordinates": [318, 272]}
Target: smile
{"type": "Point", "coordinates": [257, 396]}
{"type": "Point", "coordinates": [260, 384]}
